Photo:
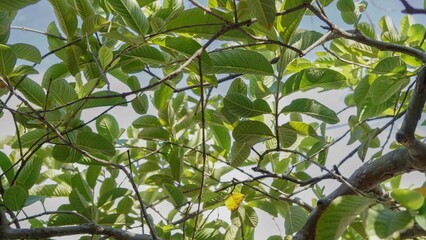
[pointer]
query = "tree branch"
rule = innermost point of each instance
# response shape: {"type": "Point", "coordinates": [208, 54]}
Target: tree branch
{"type": "Point", "coordinates": [92, 229]}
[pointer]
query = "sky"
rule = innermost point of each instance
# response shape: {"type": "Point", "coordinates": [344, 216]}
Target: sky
{"type": "Point", "coordinates": [38, 16]}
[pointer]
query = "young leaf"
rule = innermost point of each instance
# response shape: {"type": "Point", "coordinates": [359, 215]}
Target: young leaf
{"type": "Point", "coordinates": [313, 109]}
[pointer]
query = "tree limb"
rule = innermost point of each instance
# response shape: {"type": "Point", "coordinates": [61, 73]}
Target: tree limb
{"type": "Point", "coordinates": [92, 229]}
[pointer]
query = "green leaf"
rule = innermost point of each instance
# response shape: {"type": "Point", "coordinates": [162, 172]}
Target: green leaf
{"type": "Point", "coordinates": [240, 152]}
{"type": "Point", "coordinates": [410, 199]}
{"type": "Point", "coordinates": [30, 173]}
{"type": "Point", "coordinates": [391, 65]}
{"type": "Point", "coordinates": [238, 86]}
{"type": "Point", "coordinates": [7, 60]}
{"type": "Point", "coordinates": [312, 78]}
{"type": "Point", "coordinates": [54, 72]}
{"type": "Point", "coordinates": [31, 138]}
{"type": "Point", "coordinates": [186, 46]}
{"type": "Point", "coordinates": [107, 126]}
{"type": "Point", "coordinates": [175, 195]}
{"type": "Point", "coordinates": [26, 52]}
{"type": "Point", "coordinates": [6, 18]}
{"type": "Point", "coordinates": [295, 218]}
{"type": "Point", "coordinates": [125, 205]}
{"type": "Point", "coordinates": [6, 5]}
{"type": "Point", "coordinates": [252, 132]}
{"type": "Point", "coordinates": [289, 131]}
{"type": "Point", "coordinates": [14, 197]}
{"type": "Point", "coordinates": [93, 24]}
{"type": "Point", "coordinates": [288, 23]}
{"type": "Point", "coordinates": [241, 61]}
{"type": "Point", "coordinates": [95, 144]}
{"type": "Point", "coordinates": [382, 222]}
{"type": "Point", "coordinates": [313, 109]}
{"type": "Point", "coordinates": [112, 195]}
{"type": "Point", "coordinates": [153, 133]}
{"type": "Point", "coordinates": [66, 16]}
{"type": "Point", "coordinates": [131, 14]}
{"type": "Point", "coordinates": [72, 59]}
{"type": "Point", "coordinates": [264, 10]}
{"type": "Point", "coordinates": [104, 98]}
{"type": "Point", "coordinates": [146, 122]}
{"type": "Point", "coordinates": [84, 8]}
{"type": "Point", "coordinates": [140, 104]}
{"type": "Point", "coordinates": [147, 54]}
{"type": "Point", "coordinates": [384, 87]}
{"type": "Point", "coordinates": [338, 215]}
{"type": "Point", "coordinates": [194, 21]}
{"type": "Point", "coordinates": [6, 165]}
{"type": "Point", "coordinates": [52, 190]}
{"type": "Point", "coordinates": [62, 92]}
{"type": "Point", "coordinates": [32, 91]}
{"type": "Point", "coordinates": [250, 219]}
{"type": "Point", "coordinates": [66, 154]}
{"type": "Point", "coordinates": [162, 96]}
{"type": "Point", "coordinates": [346, 5]}
{"type": "Point", "coordinates": [240, 105]}
{"type": "Point", "coordinates": [105, 56]}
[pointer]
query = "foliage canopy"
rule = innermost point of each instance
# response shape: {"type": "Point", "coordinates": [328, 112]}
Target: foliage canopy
{"type": "Point", "coordinates": [225, 118]}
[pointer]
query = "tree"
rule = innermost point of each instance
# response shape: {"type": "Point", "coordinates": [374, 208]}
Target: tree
{"type": "Point", "coordinates": [219, 125]}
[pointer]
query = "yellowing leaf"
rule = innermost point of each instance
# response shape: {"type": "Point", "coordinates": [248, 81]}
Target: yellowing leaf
{"type": "Point", "coordinates": [421, 190]}
{"type": "Point", "coordinates": [234, 201]}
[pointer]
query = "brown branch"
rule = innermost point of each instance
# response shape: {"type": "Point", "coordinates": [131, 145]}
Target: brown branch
{"type": "Point", "coordinates": [92, 229]}
{"type": "Point", "coordinates": [411, 10]}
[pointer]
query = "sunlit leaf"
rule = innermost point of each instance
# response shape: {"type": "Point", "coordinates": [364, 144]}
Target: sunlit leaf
{"type": "Point", "coordinates": [410, 199]}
